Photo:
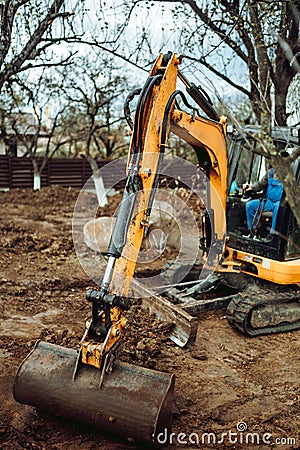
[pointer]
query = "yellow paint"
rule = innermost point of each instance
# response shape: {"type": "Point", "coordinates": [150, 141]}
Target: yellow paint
{"type": "Point", "coordinates": [196, 131]}
{"type": "Point", "coordinates": [151, 138]}
{"type": "Point", "coordinates": [280, 272]}
{"type": "Point", "coordinates": [200, 132]}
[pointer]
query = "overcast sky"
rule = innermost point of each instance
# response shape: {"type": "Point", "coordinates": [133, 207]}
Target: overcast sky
{"type": "Point", "coordinates": [163, 30]}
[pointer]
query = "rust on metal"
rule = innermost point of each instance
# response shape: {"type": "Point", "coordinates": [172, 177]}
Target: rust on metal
{"type": "Point", "coordinates": [133, 401]}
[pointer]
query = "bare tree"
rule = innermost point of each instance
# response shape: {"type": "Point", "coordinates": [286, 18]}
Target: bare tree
{"type": "Point", "coordinates": [94, 94]}
{"type": "Point", "coordinates": [233, 38]}
{"type": "Point", "coordinates": [40, 135]}
{"type": "Point", "coordinates": [28, 30]}
{"type": "Point", "coordinates": [37, 37]}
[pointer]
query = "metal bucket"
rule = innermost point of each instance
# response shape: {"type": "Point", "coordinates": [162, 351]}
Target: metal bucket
{"type": "Point", "coordinates": [133, 401]}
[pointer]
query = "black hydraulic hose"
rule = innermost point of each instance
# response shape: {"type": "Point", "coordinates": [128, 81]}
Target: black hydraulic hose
{"type": "Point", "coordinates": [153, 81]}
{"type": "Point", "coordinates": [119, 234]}
{"type": "Point", "coordinates": [185, 101]}
{"type": "Point", "coordinates": [133, 184]}
{"type": "Point", "coordinates": [127, 102]}
{"type": "Point", "coordinates": [166, 116]}
{"type": "Point", "coordinates": [163, 144]}
{"type": "Point", "coordinates": [142, 93]}
{"type": "Point", "coordinates": [137, 127]}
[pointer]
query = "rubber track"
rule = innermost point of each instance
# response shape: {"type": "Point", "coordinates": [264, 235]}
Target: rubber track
{"type": "Point", "coordinates": [241, 306]}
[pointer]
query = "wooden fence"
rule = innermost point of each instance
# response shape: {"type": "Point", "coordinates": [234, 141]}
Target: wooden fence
{"type": "Point", "coordinates": [18, 172]}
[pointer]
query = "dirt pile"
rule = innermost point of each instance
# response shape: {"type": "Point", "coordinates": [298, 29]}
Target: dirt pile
{"type": "Point", "coordinates": [226, 385]}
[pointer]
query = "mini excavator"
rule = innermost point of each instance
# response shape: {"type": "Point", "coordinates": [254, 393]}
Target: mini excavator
{"type": "Point", "coordinates": [89, 384]}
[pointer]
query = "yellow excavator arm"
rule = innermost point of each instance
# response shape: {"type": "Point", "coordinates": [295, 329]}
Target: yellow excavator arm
{"type": "Point", "coordinates": [87, 385]}
{"type": "Point", "coordinates": [155, 117]}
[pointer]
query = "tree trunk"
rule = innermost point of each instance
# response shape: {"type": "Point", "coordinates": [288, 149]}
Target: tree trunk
{"type": "Point", "coordinates": [98, 181]}
{"type": "Point", "coordinates": [284, 76]}
{"type": "Point", "coordinates": [36, 176]}
{"type": "Point", "coordinates": [100, 189]}
{"type": "Point", "coordinates": [282, 167]}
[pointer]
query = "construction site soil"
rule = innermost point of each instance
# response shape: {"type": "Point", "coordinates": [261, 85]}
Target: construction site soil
{"type": "Point", "coordinates": [231, 391]}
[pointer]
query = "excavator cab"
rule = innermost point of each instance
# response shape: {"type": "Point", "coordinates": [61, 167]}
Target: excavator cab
{"type": "Point", "coordinates": [249, 167]}
{"type": "Point", "coordinates": [268, 270]}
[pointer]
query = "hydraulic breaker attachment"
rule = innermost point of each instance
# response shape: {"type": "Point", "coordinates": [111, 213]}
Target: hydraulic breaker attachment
{"type": "Point", "coordinates": [132, 401]}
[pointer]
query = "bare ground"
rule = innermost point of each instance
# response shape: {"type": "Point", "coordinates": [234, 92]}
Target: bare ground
{"type": "Point", "coordinates": [224, 382]}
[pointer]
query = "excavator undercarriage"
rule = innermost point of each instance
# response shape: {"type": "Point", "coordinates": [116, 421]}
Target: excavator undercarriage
{"type": "Point", "coordinates": [259, 308]}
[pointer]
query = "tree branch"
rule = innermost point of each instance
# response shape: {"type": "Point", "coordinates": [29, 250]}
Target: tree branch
{"type": "Point", "coordinates": [263, 58]}
{"type": "Point", "coordinates": [9, 10]}
{"type": "Point", "coordinates": [294, 155]}
{"type": "Point", "coordinates": [62, 63]}
{"type": "Point", "coordinates": [211, 24]}
{"type": "Point", "coordinates": [31, 44]}
{"type": "Point", "coordinates": [108, 50]}
{"type": "Point", "coordinates": [219, 74]}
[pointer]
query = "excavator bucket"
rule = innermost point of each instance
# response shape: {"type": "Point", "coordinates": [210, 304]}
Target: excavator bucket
{"type": "Point", "coordinates": [132, 401]}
